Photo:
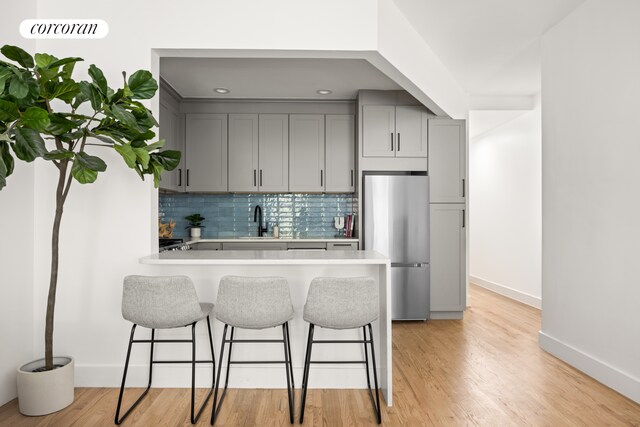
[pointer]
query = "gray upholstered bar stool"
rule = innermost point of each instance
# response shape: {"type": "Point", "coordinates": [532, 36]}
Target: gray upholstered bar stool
{"type": "Point", "coordinates": [164, 303]}
{"type": "Point", "coordinates": [342, 303]}
{"type": "Point", "coordinates": [253, 303]}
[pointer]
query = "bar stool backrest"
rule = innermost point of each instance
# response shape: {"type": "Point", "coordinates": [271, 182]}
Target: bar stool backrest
{"type": "Point", "coordinates": [253, 302]}
{"type": "Point", "coordinates": [160, 302]}
{"type": "Point", "coordinates": [342, 302]}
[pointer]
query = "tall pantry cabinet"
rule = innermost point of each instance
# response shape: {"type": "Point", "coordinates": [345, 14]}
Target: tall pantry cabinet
{"type": "Point", "coordinates": [447, 180]}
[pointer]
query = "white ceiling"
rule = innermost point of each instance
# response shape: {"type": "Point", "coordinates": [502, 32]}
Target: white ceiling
{"type": "Point", "coordinates": [257, 78]}
{"type": "Point", "coordinates": [491, 47]}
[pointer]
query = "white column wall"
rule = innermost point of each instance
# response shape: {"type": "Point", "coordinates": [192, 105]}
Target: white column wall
{"type": "Point", "coordinates": [505, 212]}
{"type": "Point", "coordinates": [590, 179]}
{"type": "Point", "coordinates": [16, 252]}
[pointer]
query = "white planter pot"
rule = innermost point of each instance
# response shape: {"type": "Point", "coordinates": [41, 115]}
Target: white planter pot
{"type": "Point", "coordinates": [41, 393]}
{"type": "Point", "coordinates": [195, 232]}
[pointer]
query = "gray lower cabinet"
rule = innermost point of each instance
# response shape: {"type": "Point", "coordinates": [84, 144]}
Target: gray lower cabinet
{"type": "Point", "coordinates": [306, 153]}
{"type": "Point", "coordinates": [254, 246]}
{"type": "Point", "coordinates": [206, 160]}
{"type": "Point", "coordinates": [340, 153]}
{"type": "Point", "coordinates": [342, 246]}
{"type": "Point", "coordinates": [258, 153]}
{"type": "Point", "coordinates": [447, 161]}
{"type": "Point", "coordinates": [448, 257]}
{"type": "Point", "coordinates": [206, 246]}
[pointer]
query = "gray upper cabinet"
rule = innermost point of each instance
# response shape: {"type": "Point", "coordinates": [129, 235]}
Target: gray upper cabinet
{"type": "Point", "coordinates": [394, 131]}
{"type": "Point", "coordinates": [448, 265]}
{"type": "Point", "coordinates": [206, 136]}
{"type": "Point", "coordinates": [171, 131]}
{"type": "Point", "coordinates": [273, 153]}
{"type": "Point", "coordinates": [340, 153]}
{"type": "Point", "coordinates": [447, 159]}
{"type": "Point", "coordinates": [411, 132]}
{"type": "Point", "coordinates": [306, 153]}
{"type": "Point", "coordinates": [243, 152]}
{"type": "Point", "coordinates": [378, 130]}
{"type": "Point", "coordinates": [258, 153]}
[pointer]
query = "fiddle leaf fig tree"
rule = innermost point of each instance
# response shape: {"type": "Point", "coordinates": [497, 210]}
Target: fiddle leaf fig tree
{"type": "Point", "coordinates": [46, 114]}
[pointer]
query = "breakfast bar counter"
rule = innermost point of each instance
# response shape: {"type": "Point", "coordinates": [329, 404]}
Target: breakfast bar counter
{"type": "Point", "coordinates": [206, 268]}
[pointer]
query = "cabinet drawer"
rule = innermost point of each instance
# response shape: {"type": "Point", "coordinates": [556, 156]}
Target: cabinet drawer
{"type": "Point", "coordinates": [306, 245]}
{"type": "Point", "coordinates": [206, 246]}
{"type": "Point", "coordinates": [254, 246]}
{"type": "Point", "coordinates": [342, 246]}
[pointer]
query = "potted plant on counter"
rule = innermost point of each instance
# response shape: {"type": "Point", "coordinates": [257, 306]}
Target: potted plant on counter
{"type": "Point", "coordinates": [195, 225]}
{"type": "Point", "coordinates": [46, 114]}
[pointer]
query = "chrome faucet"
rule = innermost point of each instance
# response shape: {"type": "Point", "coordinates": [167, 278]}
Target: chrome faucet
{"type": "Point", "coordinates": [257, 216]}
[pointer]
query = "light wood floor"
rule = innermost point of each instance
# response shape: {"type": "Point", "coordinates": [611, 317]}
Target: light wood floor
{"type": "Point", "coordinates": [484, 370]}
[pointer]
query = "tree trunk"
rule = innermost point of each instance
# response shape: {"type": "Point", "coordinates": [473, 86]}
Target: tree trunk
{"type": "Point", "coordinates": [53, 282]}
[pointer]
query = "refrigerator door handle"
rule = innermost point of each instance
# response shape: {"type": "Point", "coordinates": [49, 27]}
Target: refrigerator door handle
{"type": "Point", "coordinates": [410, 264]}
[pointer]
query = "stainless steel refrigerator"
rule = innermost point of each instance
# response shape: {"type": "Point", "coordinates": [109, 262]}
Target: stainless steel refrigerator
{"type": "Point", "coordinates": [396, 224]}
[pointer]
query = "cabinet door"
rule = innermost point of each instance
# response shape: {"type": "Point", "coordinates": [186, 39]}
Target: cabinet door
{"type": "Point", "coordinates": [306, 152]}
{"type": "Point", "coordinates": [411, 138]}
{"type": "Point", "coordinates": [206, 152]}
{"type": "Point", "coordinates": [171, 132]}
{"type": "Point", "coordinates": [378, 130]}
{"type": "Point", "coordinates": [340, 152]}
{"type": "Point", "coordinates": [243, 152]}
{"type": "Point", "coordinates": [273, 168]}
{"type": "Point", "coordinates": [448, 249]}
{"type": "Point", "coordinates": [447, 159]}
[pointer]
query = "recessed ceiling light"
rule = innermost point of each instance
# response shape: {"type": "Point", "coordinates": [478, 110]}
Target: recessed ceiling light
{"type": "Point", "coordinates": [221, 90]}
{"type": "Point", "coordinates": [324, 92]}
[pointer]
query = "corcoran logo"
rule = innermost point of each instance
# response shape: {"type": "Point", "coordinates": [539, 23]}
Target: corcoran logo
{"type": "Point", "coordinates": [64, 29]}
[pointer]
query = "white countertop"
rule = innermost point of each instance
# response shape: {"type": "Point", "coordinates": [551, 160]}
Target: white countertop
{"type": "Point", "coordinates": [271, 239]}
{"type": "Point", "coordinates": [265, 258]}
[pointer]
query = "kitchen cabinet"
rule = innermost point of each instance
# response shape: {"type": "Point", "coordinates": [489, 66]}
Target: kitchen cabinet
{"type": "Point", "coordinates": [254, 246]}
{"type": "Point", "coordinates": [171, 131]}
{"type": "Point", "coordinates": [206, 246]}
{"type": "Point", "coordinates": [340, 153]}
{"type": "Point", "coordinates": [306, 153]}
{"type": "Point", "coordinates": [394, 131]}
{"type": "Point", "coordinates": [206, 163]}
{"type": "Point", "coordinates": [258, 153]}
{"type": "Point", "coordinates": [342, 246]}
{"type": "Point", "coordinates": [447, 160]}
{"type": "Point", "coordinates": [448, 258]}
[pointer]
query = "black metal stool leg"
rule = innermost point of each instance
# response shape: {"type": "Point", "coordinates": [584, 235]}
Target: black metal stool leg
{"type": "Point", "coordinates": [287, 362]}
{"type": "Point", "coordinates": [305, 377]}
{"type": "Point", "coordinates": [375, 378]}
{"type": "Point", "coordinates": [119, 419]}
{"type": "Point", "coordinates": [214, 411]}
{"type": "Point", "coordinates": [366, 358]}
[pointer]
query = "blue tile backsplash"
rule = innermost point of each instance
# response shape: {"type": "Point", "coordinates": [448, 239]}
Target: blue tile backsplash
{"type": "Point", "coordinates": [231, 215]}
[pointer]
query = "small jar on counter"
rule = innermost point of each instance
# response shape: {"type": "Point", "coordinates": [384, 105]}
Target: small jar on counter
{"type": "Point", "coordinates": [276, 231]}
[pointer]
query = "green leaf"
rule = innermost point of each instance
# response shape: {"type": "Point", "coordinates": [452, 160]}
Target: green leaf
{"type": "Point", "coordinates": [28, 144]}
{"type": "Point", "coordinates": [169, 159]}
{"type": "Point", "coordinates": [66, 91]}
{"type": "Point", "coordinates": [18, 87]}
{"type": "Point", "coordinates": [142, 84]}
{"type": "Point", "coordinates": [64, 61]}
{"type": "Point", "coordinates": [4, 75]}
{"type": "Point", "coordinates": [6, 160]}
{"type": "Point", "coordinates": [44, 60]}
{"type": "Point", "coordinates": [142, 156]}
{"type": "Point", "coordinates": [91, 162]}
{"type": "Point", "coordinates": [97, 76]}
{"type": "Point", "coordinates": [36, 118]}
{"type": "Point", "coordinates": [88, 91]}
{"type": "Point", "coordinates": [59, 125]}
{"type": "Point", "coordinates": [81, 173]}
{"type": "Point", "coordinates": [8, 111]}
{"type": "Point", "coordinates": [156, 145]}
{"type": "Point", "coordinates": [127, 154]}
{"type": "Point", "coordinates": [157, 173]}
{"type": "Point", "coordinates": [124, 116]}
{"type": "Point", "coordinates": [102, 138]}
{"type": "Point", "coordinates": [58, 155]}
{"type": "Point", "coordinates": [67, 70]}
{"type": "Point", "coordinates": [14, 53]}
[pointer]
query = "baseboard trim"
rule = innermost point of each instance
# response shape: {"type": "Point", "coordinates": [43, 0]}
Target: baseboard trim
{"type": "Point", "coordinates": [608, 375]}
{"type": "Point", "coordinates": [506, 291]}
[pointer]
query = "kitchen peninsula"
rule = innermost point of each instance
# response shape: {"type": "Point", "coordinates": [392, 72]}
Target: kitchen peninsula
{"type": "Point", "coordinates": [206, 267]}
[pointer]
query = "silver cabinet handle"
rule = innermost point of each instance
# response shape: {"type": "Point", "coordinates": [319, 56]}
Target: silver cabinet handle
{"type": "Point", "coordinates": [179, 177]}
{"type": "Point", "coordinates": [398, 141]}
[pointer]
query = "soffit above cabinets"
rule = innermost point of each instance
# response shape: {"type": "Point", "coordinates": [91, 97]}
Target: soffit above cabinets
{"type": "Point", "coordinates": [272, 78]}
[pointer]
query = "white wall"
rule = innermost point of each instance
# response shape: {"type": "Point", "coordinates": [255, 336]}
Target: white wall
{"type": "Point", "coordinates": [590, 187]}
{"type": "Point", "coordinates": [109, 225]}
{"type": "Point", "coordinates": [16, 254]}
{"type": "Point", "coordinates": [505, 206]}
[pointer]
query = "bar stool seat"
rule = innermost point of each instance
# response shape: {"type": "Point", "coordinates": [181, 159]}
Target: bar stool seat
{"type": "Point", "coordinates": [253, 303]}
{"type": "Point", "coordinates": [164, 303]}
{"type": "Point", "coordinates": [342, 303]}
